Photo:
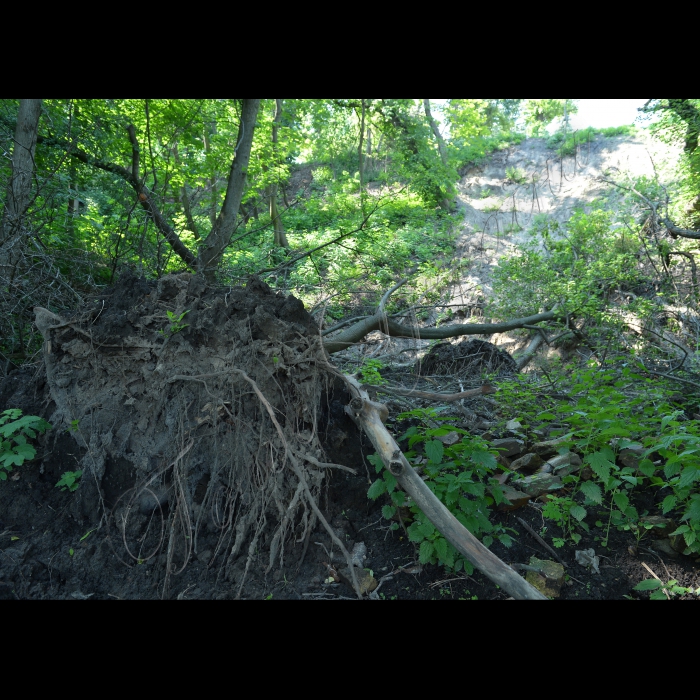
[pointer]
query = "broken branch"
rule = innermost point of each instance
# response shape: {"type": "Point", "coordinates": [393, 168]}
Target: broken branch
{"type": "Point", "coordinates": [434, 396]}
{"type": "Point", "coordinates": [377, 322]}
{"type": "Point", "coordinates": [368, 418]}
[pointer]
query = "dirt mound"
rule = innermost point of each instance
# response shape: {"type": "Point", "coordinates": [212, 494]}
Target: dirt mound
{"type": "Point", "coordinates": [468, 358]}
{"type": "Point", "coordinates": [196, 413]}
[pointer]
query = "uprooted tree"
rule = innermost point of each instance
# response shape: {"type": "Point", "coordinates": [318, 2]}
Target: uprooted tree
{"type": "Point", "coordinates": [212, 400]}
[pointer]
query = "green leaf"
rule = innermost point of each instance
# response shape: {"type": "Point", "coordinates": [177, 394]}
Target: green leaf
{"type": "Point", "coordinates": [483, 459]}
{"type": "Point", "coordinates": [478, 490]}
{"type": "Point", "coordinates": [414, 533]}
{"type": "Point", "coordinates": [646, 466]}
{"type": "Point", "coordinates": [434, 450]}
{"type": "Point", "coordinates": [390, 480]}
{"type": "Point", "coordinates": [592, 492]}
{"type": "Point", "coordinates": [398, 498]}
{"type": "Point", "coordinates": [615, 430]}
{"type": "Point", "coordinates": [506, 540]}
{"type": "Point", "coordinates": [426, 552]}
{"type": "Point", "coordinates": [10, 458]}
{"type": "Point", "coordinates": [388, 512]}
{"type": "Point", "coordinates": [376, 460]}
{"type": "Point", "coordinates": [376, 489]}
{"type": "Point", "coordinates": [669, 503]}
{"type": "Point", "coordinates": [671, 469]}
{"type": "Point", "coordinates": [621, 500]}
{"type": "Point", "coordinates": [441, 548]}
{"type": "Point", "coordinates": [688, 475]}
{"type": "Point", "coordinates": [578, 512]}
{"type": "Point", "coordinates": [600, 463]}
{"type": "Point", "coordinates": [426, 528]}
{"type": "Point", "coordinates": [693, 511]}
{"type": "Point", "coordinates": [25, 451]}
{"type": "Point", "coordinates": [24, 424]}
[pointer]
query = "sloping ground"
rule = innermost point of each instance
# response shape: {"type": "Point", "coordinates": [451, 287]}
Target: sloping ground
{"type": "Point", "coordinates": [498, 211]}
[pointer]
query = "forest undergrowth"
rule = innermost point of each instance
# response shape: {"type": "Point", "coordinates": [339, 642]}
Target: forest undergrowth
{"type": "Point", "coordinates": [589, 418]}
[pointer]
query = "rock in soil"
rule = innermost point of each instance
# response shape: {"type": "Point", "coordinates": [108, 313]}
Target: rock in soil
{"type": "Point", "coordinates": [517, 499]}
{"type": "Point", "coordinates": [563, 465]}
{"type": "Point", "coordinates": [548, 448]}
{"type": "Point", "coordinates": [537, 484]}
{"type": "Point", "coordinates": [508, 447]}
{"type": "Point", "coordinates": [365, 580]}
{"type": "Point", "coordinates": [664, 547]}
{"type": "Point", "coordinates": [548, 579]}
{"type": "Point", "coordinates": [528, 462]}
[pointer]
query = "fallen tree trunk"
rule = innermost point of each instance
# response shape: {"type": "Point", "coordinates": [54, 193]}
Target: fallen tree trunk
{"type": "Point", "coordinates": [368, 415]}
{"type": "Point", "coordinates": [530, 352]}
{"type": "Point", "coordinates": [432, 395]}
{"type": "Point", "coordinates": [380, 322]}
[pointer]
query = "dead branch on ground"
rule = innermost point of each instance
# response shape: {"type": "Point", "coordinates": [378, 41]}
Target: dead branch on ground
{"type": "Point", "coordinates": [379, 321]}
{"type": "Point", "coordinates": [364, 412]}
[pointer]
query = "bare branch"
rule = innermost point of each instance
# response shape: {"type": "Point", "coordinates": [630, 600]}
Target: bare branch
{"type": "Point", "coordinates": [373, 323]}
{"type": "Point", "coordinates": [135, 151]}
{"type": "Point", "coordinates": [367, 414]}
{"type": "Point", "coordinates": [674, 230]}
{"type": "Point", "coordinates": [433, 396]}
{"type": "Point", "coordinates": [145, 199]}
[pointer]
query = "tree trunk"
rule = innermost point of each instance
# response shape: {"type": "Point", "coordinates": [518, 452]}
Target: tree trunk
{"type": "Point", "coordinates": [436, 132]}
{"type": "Point", "coordinates": [402, 124]}
{"type": "Point", "coordinates": [360, 155]}
{"type": "Point", "coordinates": [221, 233]}
{"type": "Point", "coordinates": [219, 237]}
{"type": "Point", "coordinates": [368, 415]}
{"type": "Point", "coordinates": [379, 321]}
{"type": "Point", "coordinates": [212, 179]}
{"type": "Point", "coordinates": [12, 233]}
{"type": "Point", "coordinates": [447, 203]}
{"type": "Point", "coordinates": [280, 236]}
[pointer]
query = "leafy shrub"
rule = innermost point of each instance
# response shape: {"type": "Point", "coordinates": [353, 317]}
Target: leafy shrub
{"type": "Point", "coordinates": [566, 143]}
{"type": "Point", "coordinates": [515, 175]}
{"type": "Point", "coordinates": [14, 449]}
{"type": "Point", "coordinates": [603, 418]}
{"type": "Point", "coordinates": [573, 266]}
{"type": "Point", "coordinates": [460, 475]}
{"type": "Point", "coordinates": [69, 481]}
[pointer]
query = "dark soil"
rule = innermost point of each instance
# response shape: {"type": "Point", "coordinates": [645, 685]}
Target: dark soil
{"type": "Point", "coordinates": [467, 357]}
{"type": "Point", "coordinates": [60, 545]}
{"type": "Point", "coordinates": [38, 564]}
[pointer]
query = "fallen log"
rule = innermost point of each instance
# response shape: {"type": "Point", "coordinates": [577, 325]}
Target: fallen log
{"type": "Point", "coordinates": [368, 416]}
{"type": "Point", "coordinates": [431, 395]}
{"type": "Point", "coordinates": [380, 322]}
